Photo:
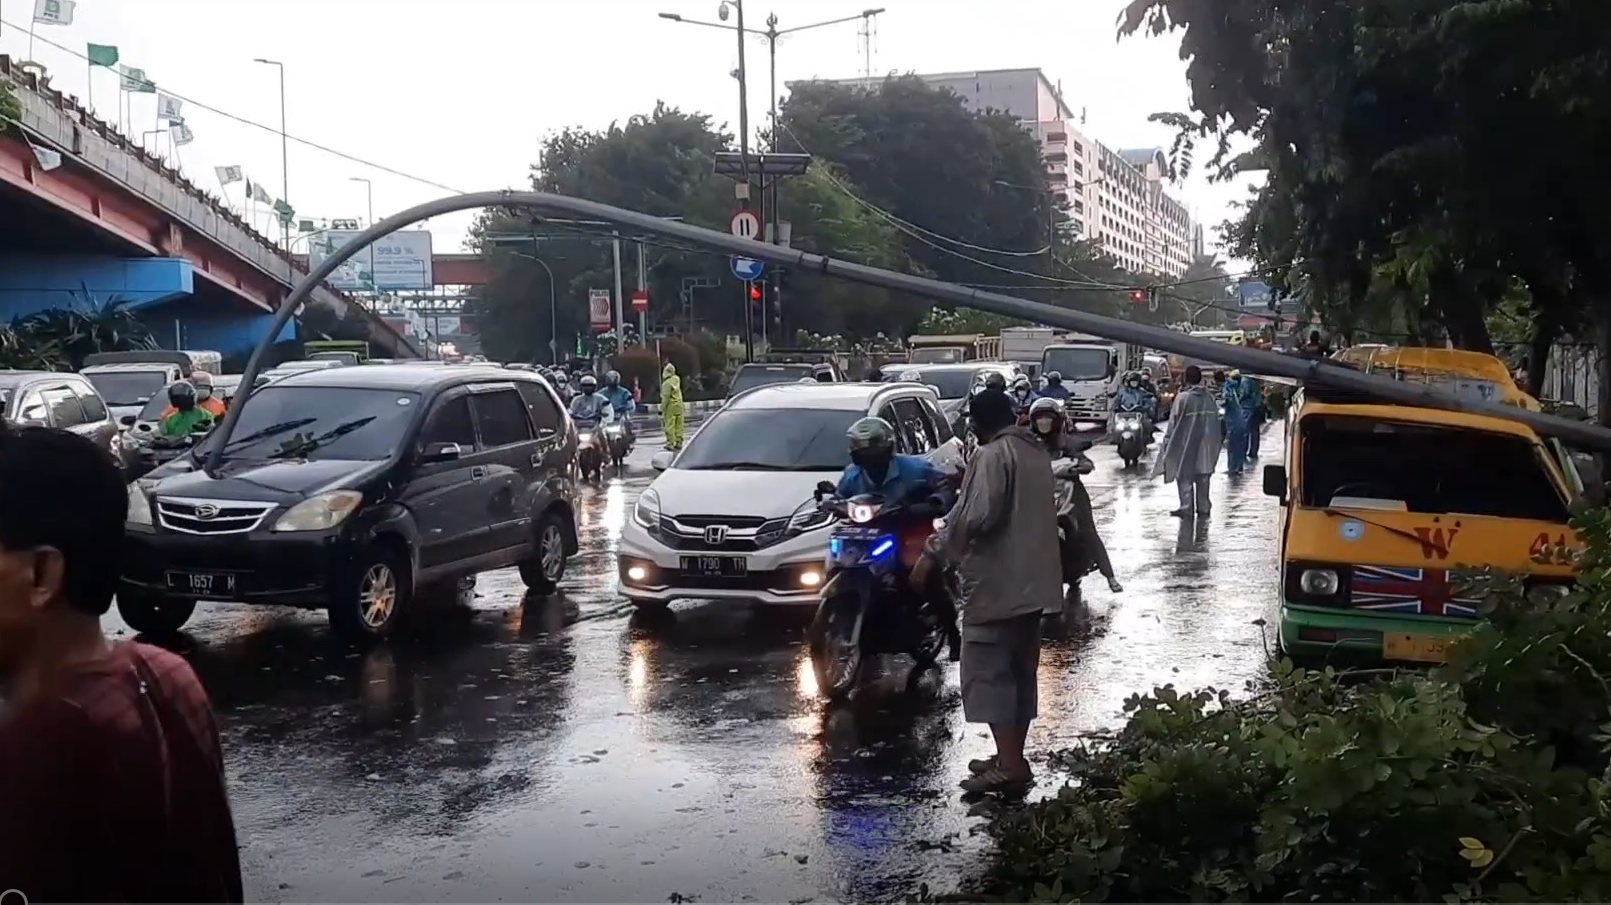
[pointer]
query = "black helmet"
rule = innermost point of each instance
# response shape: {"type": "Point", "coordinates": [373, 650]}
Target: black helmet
{"type": "Point", "coordinates": [1054, 379]}
{"type": "Point", "coordinates": [872, 442]}
{"type": "Point", "coordinates": [612, 378]}
{"type": "Point", "coordinates": [182, 394]}
{"type": "Point", "coordinates": [995, 380]}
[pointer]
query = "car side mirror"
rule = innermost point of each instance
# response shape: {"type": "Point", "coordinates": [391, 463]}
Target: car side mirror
{"type": "Point", "coordinates": [441, 452]}
{"type": "Point", "coordinates": [1275, 482]}
{"type": "Point", "coordinates": [662, 460]}
{"type": "Point", "coordinates": [128, 420]}
{"type": "Point", "coordinates": [825, 489]}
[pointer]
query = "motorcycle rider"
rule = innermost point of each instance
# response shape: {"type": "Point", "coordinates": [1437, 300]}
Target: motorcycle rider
{"type": "Point", "coordinates": [621, 400]}
{"type": "Point", "coordinates": [1133, 396]}
{"type": "Point", "coordinates": [1046, 420]}
{"type": "Point", "coordinates": [1054, 388]}
{"type": "Point", "coordinates": [590, 408]}
{"type": "Point", "coordinates": [875, 467]}
{"type": "Point", "coordinates": [562, 386]}
{"type": "Point", "coordinates": [185, 414]}
{"type": "Point", "coordinates": [1023, 394]}
{"type": "Point", "coordinates": [205, 400]}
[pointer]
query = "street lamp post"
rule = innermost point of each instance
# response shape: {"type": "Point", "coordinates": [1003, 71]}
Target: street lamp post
{"type": "Point", "coordinates": [369, 196]}
{"type": "Point", "coordinates": [285, 152]}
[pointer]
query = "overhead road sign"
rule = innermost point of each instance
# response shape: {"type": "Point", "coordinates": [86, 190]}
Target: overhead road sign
{"type": "Point", "coordinates": [747, 269]}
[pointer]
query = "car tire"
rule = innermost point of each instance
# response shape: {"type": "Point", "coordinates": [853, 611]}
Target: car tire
{"type": "Point", "coordinates": [545, 567]}
{"type": "Point", "coordinates": [153, 614]}
{"type": "Point", "coordinates": [375, 597]}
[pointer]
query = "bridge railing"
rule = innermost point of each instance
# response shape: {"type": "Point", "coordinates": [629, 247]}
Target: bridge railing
{"type": "Point", "coordinates": [60, 122]}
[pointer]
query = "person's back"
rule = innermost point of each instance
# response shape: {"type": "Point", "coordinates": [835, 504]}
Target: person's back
{"type": "Point", "coordinates": [107, 749]}
{"type": "Point", "coordinates": [591, 408]}
{"type": "Point", "coordinates": [184, 422]}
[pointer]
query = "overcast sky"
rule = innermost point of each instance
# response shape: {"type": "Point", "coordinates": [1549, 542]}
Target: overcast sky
{"type": "Point", "coordinates": [461, 93]}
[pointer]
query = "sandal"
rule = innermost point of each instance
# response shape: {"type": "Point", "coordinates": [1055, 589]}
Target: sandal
{"type": "Point", "coordinates": [997, 782]}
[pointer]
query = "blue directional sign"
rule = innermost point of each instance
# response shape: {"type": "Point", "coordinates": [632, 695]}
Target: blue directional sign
{"type": "Point", "coordinates": [1255, 294]}
{"type": "Point", "coordinates": [747, 269]}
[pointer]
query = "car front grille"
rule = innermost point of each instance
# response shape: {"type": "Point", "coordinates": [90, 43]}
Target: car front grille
{"type": "Point", "coordinates": [738, 534]}
{"type": "Point", "coordinates": [188, 515]}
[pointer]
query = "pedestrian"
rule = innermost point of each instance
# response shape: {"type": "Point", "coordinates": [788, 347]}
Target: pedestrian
{"type": "Point", "coordinates": [1238, 417]}
{"type": "Point", "coordinates": [1260, 413]}
{"type": "Point", "coordinates": [108, 752]}
{"type": "Point", "coordinates": [1001, 539]}
{"type": "Point", "coordinates": [1190, 451]}
{"type": "Point", "coordinates": [671, 406]}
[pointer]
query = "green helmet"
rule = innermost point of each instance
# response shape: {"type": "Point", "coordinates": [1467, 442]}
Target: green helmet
{"type": "Point", "coordinates": [871, 434]}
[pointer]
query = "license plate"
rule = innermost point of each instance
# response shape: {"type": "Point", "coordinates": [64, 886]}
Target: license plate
{"type": "Point", "coordinates": [716, 566]}
{"type": "Point", "coordinates": [202, 582]}
{"type": "Point", "coordinates": [848, 533]}
{"type": "Point", "coordinates": [1414, 648]}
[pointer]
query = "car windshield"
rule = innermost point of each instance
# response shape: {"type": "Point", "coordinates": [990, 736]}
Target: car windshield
{"type": "Point", "coordinates": [771, 440]}
{"type": "Point", "coordinates": [153, 410]}
{"type": "Point", "coordinates": [1425, 468]}
{"type": "Point", "coordinates": [751, 376]}
{"type": "Point", "coordinates": [280, 422]}
{"type": "Point", "coordinates": [1077, 364]}
{"type": "Point", "coordinates": [128, 387]}
{"type": "Point", "coordinates": [952, 383]}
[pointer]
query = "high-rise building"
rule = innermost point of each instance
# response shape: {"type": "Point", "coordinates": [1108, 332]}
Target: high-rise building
{"type": "Point", "coordinates": [1115, 199]}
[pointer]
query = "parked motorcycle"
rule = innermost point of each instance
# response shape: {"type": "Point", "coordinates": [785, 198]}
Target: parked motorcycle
{"type": "Point", "coordinates": [1132, 431]}
{"type": "Point", "coordinates": [1072, 545]}
{"type": "Point", "coordinates": [618, 444]}
{"type": "Point", "coordinates": [590, 451]}
{"type": "Point", "coordinates": [867, 607]}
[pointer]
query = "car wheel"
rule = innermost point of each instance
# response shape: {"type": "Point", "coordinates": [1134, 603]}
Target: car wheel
{"type": "Point", "coordinates": [374, 600]}
{"type": "Point", "coordinates": [151, 614]}
{"type": "Point", "coordinates": [545, 567]}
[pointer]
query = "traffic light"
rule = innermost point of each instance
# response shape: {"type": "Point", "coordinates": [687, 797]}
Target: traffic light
{"type": "Point", "coordinates": [1138, 296]}
{"type": "Point", "coordinates": [755, 293]}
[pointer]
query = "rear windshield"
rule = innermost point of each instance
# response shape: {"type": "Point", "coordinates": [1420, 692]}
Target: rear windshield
{"type": "Point", "coordinates": [751, 376]}
{"type": "Point", "coordinates": [952, 383]}
{"type": "Point", "coordinates": [128, 387]}
{"type": "Point", "coordinates": [1425, 468]}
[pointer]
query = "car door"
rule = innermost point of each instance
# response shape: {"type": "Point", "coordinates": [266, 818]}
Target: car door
{"type": "Point", "coordinates": [903, 440]}
{"type": "Point", "coordinates": [447, 501]}
{"type": "Point", "coordinates": [98, 423]}
{"type": "Point", "coordinates": [556, 446]}
{"type": "Point", "coordinates": [508, 459]}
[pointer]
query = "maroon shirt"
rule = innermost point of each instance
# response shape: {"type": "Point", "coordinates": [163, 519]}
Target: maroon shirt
{"type": "Point", "coordinates": [112, 788]}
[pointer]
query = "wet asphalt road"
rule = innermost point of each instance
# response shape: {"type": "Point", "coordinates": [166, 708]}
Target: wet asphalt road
{"type": "Point", "coordinates": [565, 750]}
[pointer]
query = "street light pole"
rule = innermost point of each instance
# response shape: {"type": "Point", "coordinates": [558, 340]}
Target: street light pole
{"type": "Point", "coordinates": [285, 153]}
{"type": "Point", "coordinates": [369, 195]}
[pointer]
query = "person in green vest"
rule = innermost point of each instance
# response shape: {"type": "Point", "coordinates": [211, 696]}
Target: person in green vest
{"type": "Point", "coordinates": [671, 406]}
{"type": "Point", "coordinates": [186, 414]}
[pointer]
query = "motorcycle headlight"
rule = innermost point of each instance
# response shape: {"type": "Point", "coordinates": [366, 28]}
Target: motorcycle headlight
{"type": "Point", "coordinates": [861, 513]}
{"type": "Point", "coordinates": [139, 506]}
{"type": "Point", "coordinates": [585, 437]}
{"type": "Point", "coordinates": [613, 430]}
{"type": "Point", "coordinates": [320, 512]}
{"type": "Point", "coordinates": [647, 512]}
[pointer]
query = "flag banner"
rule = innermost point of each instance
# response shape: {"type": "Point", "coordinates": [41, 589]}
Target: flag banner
{"type": "Point", "coordinates": [102, 55]}
{"type": "Point", "coordinates": [54, 12]}
{"type": "Point", "coordinates": [305, 226]}
{"type": "Point", "coordinates": [48, 159]}
{"type": "Point", "coordinates": [168, 107]}
{"type": "Point", "coordinates": [255, 192]}
{"type": "Point", "coordinates": [180, 133]}
{"type": "Point", "coordinates": [286, 212]}
{"type": "Point", "coordinates": [134, 81]}
{"type": "Point", "coordinates": [229, 175]}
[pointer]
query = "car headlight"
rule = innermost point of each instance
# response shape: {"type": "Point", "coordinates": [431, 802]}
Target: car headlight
{"type": "Point", "coordinates": [139, 505]}
{"type": "Point", "coordinates": [647, 512]}
{"type": "Point", "coordinates": [1319, 582]}
{"type": "Point", "coordinates": [809, 518]}
{"type": "Point", "coordinates": [321, 512]}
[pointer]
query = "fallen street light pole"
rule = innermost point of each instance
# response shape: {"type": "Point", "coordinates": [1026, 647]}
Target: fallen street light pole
{"type": "Point", "coordinates": [1259, 362]}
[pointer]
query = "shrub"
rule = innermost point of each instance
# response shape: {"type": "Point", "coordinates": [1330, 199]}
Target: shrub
{"type": "Point", "coordinates": [1486, 780]}
{"type": "Point", "coordinates": [712, 351]}
{"type": "Point", "coordinates": [685, 357]}
{"type": "Point", "coordinates": [644, 366]}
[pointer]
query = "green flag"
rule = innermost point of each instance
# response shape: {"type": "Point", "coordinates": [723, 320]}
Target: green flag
{"type": "Point", "coordinates": [102, 55]}
{"type": "Point", "coordinates": [287, 214]}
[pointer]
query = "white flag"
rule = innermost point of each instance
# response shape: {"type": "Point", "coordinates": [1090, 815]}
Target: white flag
{"type": "Point", "coordinates": [229, 175]}
{"type": "Point", "coordinates": [48, 159]}
{"type": "Point", "coordinates": [168, 107]}
{"type": "Point", "coordinates": [133, 80]}
{"type": "Point", "coordinates": [54, 12]}
{"type": "Point", "coordinates": [181, 134]}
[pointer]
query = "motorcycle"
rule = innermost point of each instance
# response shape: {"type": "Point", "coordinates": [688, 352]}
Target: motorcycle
{"type": "Point", "coordinates": [591, 450]}
{"type": "Point", "coordinates": [1133, 432]}
{"type": "Point", "coordinates": [867, 606]}
{"type": "Point", "coordinates": [618, 443]}
{"type": "Point", "coordinates": [1071, 544]}
{"type": "Point", "coordinates": [159, 450]}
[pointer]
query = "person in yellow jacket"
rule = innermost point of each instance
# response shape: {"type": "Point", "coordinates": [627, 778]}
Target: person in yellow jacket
{"type": "Point", "coordinates": [671, 406]}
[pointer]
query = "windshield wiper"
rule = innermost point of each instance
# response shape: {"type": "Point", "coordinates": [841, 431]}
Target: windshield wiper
{"type": "Point", "coordinates": [739, 466]}
{"type": "Point", "coordinates": [295, 450]}
{"type": "Point", "coordinates": [270, 431]}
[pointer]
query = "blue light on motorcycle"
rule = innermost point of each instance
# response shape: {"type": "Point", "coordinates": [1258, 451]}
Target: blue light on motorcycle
{"type": "Point", "coordinates": [884, 546]}
{"type": "Point", "coordinates": [835, 546]}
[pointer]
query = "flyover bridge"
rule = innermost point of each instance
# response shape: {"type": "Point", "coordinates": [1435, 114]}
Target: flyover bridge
{"type": "Point", "coordinates": [115, 222]}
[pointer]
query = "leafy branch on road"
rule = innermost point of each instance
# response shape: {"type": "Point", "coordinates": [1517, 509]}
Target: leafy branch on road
{"type": "Point", "coordinates": [1488, 779]}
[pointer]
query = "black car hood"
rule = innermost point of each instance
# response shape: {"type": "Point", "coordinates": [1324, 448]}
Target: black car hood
{"type": "Point", "coordinates": [263, 481]}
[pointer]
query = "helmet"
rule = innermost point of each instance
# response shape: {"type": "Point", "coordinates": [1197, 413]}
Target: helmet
{"type": "Point", "coordinates": [182, 394]}
{"type": "Point", "coordinates": [588, 383]}
{"type": "Point", "coordinates": [612, 378]}
{"type": "Point", "coordinates": [872, 442]}
{"type": "Point", "coordinates": [1133, 378]}
{"type": "Point", "coordinates": [1021, 384]}
{"type": "Point", "coordinates": [1054, 379]}
{"type": "Point", "coordinates": [203, 382]}
{"type": "Point", "coordinates": [1046, 409]}
{"type": "Point", "coordinates": [561, 378]}
{"type": "Point", "coordinates": [995, 380]}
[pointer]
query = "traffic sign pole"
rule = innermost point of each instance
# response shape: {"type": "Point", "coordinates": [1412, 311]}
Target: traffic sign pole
{"type": "Point", "coordinates": [746, 225]}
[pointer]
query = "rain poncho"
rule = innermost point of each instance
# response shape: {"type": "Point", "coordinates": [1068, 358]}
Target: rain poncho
{"type": "Point", "coordinates": [591, 410]}
{"type": "Point", "coordinates": [1002, 534]}
{"type": "Point", "coordinates": [1191, 448]}
{"type": "Point", "coordinates": [1241, 399]}
{"type": "Point", "coordinates": [671, 406]}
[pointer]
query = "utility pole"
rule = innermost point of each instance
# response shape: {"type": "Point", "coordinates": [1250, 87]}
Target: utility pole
{"type": "Point", "coordinates": [643, 286]}
{"type": "Point", "coordinates": [620, 316]}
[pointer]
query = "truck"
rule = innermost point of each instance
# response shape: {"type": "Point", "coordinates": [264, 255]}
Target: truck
{"type": "Point", "coordinates": [346, 351]}
{"type": "Point", "coordinates": [952, 348]}
{"type": "Point", "coordinates": [1023, 346]}
{"type": "Point", "coordinates": [1091, 368]}
{"type": "Point", "coordinates": [126, 381]}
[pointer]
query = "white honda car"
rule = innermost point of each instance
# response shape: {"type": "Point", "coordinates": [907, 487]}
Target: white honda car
{"type": "Point", "coordinates": [733, 516]}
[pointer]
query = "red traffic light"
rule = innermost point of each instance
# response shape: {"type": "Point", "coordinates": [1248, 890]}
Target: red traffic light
{"type": "Point", "coordinates": [1139, 296]}
{"type": "Point", "coordinates": [755, 293]}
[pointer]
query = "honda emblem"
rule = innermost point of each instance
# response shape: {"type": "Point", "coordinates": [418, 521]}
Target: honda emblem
{"type": "Point", "coordinates": [715, 534]}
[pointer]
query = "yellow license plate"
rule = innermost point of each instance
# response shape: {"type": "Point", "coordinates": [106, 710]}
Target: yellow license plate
{"type": "Point", "coordinates": [1414, 648]}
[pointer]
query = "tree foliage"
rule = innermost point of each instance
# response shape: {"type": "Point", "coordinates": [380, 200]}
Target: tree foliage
{"type": "Point", "coordinates": [1487, 780]}
{"type": "Point", "coordinates": [1423, 156]}
{"type": "Point", "coordinates": [59, 339]}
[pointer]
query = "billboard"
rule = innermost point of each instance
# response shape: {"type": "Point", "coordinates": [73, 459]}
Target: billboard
{"type": "Point", "coordinates": [1255, 294]}
{"type": "Point", "coordinates": [400, 261]}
